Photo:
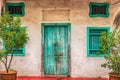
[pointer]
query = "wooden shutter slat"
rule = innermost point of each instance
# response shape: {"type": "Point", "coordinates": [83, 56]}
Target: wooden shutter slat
{"type": "Point", "coordinates": [95, 40]}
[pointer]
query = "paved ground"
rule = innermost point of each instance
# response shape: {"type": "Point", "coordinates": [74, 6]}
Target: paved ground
{"type": "Point", "coordinates": [58, 78]}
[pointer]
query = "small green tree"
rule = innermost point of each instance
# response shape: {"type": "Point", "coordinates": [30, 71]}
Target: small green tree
{"type": "Point", "coordinates": [110, 44]}
{"type": "Point", "coordinates": [12, 37]}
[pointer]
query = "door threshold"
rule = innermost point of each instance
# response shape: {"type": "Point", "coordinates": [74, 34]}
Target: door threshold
{"type": "Point", "coordinates": [55, 76]}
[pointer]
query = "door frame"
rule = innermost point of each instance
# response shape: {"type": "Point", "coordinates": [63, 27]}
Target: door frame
{"type": "Point", "coordinates": [42, 46]}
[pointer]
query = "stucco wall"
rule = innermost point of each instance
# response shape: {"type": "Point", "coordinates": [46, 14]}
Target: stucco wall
{"type": "Point", "coordinates": [81, 65]}
{"type": "Point", "coordinates": [1, 3]}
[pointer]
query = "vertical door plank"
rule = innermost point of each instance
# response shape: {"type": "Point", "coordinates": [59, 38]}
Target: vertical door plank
{"type": "Point", "coordinates": [63, 64]}
{"type": "Point", "coordinates": [49, 63]}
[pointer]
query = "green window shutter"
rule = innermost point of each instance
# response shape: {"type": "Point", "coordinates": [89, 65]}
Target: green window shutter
{"type": "Point", "coordinates": [15, 9]}
{"type": "Point", "coordinates": [93, 40]}
{"type": "Point", "coordinates": [20, 51]}
{"type": "Point", "coordinates": [98, 9]}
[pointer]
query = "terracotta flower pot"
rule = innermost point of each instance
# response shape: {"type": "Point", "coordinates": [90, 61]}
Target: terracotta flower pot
{"type": "Point", "coordinates": [11, 75]}
{"type": "Point", "coordinates": [114, 76]}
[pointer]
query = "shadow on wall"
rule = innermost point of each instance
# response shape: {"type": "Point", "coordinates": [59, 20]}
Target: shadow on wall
{"type": "Point", "coordinates": [117, 19]}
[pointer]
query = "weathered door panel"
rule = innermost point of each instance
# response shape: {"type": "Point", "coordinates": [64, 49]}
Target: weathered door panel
{"type": "Point", "coordinates": [49, 62]}
{"type": "Point", "coordinates": [62, 65]}
{"type": "Point", "coordinates": [56, 50]}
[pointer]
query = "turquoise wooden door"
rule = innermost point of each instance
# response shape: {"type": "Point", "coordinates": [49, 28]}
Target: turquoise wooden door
{"type": "Point", "coordinates": [55, 50]}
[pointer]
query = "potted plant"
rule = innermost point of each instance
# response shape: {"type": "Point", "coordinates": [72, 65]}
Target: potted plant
{"type": "Point", "coordinates": [12, 37]}
{"type": "Point", "coordinates": [110, 45]}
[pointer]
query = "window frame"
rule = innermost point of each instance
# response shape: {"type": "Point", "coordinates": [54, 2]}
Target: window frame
{"type": "Point", "coordinates": [98, 15]}
{"type": "Point", "coordinates": [16, 4]}
{"type": "Point", "coordinates": [88, 39]}
{"type": "Point", "coordinates": [23, 49]}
